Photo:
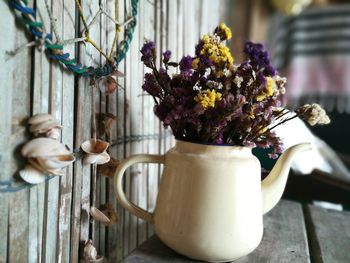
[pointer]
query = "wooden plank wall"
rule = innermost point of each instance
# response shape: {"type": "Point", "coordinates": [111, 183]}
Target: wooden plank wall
{"type": "Point", "coordinates": [48, 222]}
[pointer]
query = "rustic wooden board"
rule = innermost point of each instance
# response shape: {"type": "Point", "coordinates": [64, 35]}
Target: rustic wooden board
{"type": "Point", "coordinates": [284, 241]}
{"type": "Point", "coordinates": [129, 229]}
{"type": "Point", "coordinates": [7, 75]}
{"type": "Point", "coordinates": [140, 129]}
{"type": "Point", "coordinates": [329, 234]}
{"type": "Point", "coordinates": [150, 127]}
{"type": "Point", "coordinates": [284, 237]}
{"type": "Point", "coordinates": [67, 119]}
{"type": "Point", "coordinates": [18, 110]}
{"type": "Point", "coordinates": [39, 104]}
{"type": "Point", "coordinates": [120, 231]}
{"type": "Point", "coordinates": [108, 235]}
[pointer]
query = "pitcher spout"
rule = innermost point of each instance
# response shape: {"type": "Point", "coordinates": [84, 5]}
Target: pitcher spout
{"type": "Point", "coordinates": [273, 185]}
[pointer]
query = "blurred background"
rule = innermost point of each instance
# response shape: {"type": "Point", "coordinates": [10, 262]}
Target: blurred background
{"type": "Point", "coordinates": [309, 43]}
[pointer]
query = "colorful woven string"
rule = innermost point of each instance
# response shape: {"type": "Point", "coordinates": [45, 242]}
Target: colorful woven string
{"type": "Point", "coordinates": [55, 50]}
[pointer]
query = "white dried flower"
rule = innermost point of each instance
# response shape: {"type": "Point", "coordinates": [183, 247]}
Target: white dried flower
{"type": "Point", "coordinates": [238, 81]}
{"type": "Point", "coordinates": [214, 84]}
{"type": "Point", "coordinates": [280, 82]}
{"type": "Point", "coordinates": [197, 87]}
{"type": "Point", "coordinates": [227, 72]}
{"type": "Point", "coordinates": [216, 39]}
{"type": "Point", "coordinates": [313, 114]}
{"type": "Point", "coordinates": [254, 74]}
{"type": "Point", "coordinates": [207, 72]}
{"type": "Point", "coordinates": [250, 82]}
{"type": "Point", "coordinates": [280, 79]}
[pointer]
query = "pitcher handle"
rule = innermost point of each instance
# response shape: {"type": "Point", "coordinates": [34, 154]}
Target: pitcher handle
{"type": "Point", "coordinates": [118, 183]}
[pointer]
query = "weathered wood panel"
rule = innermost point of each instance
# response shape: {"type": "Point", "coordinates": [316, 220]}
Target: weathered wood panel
{"type": "Point", "coordinates": [18, 109]}
{"type": "Point", "coordinates": [284, 237]}
{"type": "Point", "coordinates": [7, 83]}
{"type": "Point", "coordinates": [329, 234]}
{"type": "Point", "coordinates": [49, 222]}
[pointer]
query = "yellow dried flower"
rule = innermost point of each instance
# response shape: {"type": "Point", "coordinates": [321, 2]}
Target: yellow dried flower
{"type": "Point", "coordinates": [195, 63]}
{"type": "Point", "coordinates": [223, 31]}
{"type": "Point", "coordinates": [206, 38]}
{"type": "Point", "coordinates": [217, 52]}
{"type": "Point", "coordinates": [271, 87]}
{"type": "Point", "coordinates": [207, 98]}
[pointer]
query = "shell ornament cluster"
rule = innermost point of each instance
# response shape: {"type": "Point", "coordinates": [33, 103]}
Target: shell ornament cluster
{"type": "Point", "coordinates": [47, 156]}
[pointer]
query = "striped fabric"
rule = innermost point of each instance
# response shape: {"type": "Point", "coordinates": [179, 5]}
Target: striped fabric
{"type": "Point", "coordinates": [313, 51]}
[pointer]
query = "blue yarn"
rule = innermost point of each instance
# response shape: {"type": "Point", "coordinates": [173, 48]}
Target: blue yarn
{"type": "Point", "coordinates": [22, 9]}
{"type": "Point", "coordinates": [12, 189]}
{"type": "Point", "coordinates": [123, 47]}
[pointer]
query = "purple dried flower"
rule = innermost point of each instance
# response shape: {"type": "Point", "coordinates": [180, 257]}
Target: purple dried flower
{"type": "Point", "coordinates": [148, 52]}
{"type": "Point", "coordinates": [259, 58]}
{"type": "Point", "coordinates": [205, 61]}
{"type": "Point", "coordinates": [152, 86]}
{"type": "Point", "coordinates": [186, 65]}
{"type": "Point", "coordinates": [261, 79]}
{"type": "Point", "coordinates": [270, 71]}
{"type": "Point", "coordinates": [166, 56]}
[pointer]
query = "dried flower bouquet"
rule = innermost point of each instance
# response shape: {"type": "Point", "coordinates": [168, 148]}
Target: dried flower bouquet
{"type": "Point", "coordinates": [211, 100]}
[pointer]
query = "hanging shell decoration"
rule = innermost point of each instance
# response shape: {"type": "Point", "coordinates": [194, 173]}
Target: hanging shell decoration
{"type": "Point", "coordinates": [107, 214]}
{"type": "Point", "coordinates": [45, 156]}
{"type": "Point", "coordinates": [110, 84]}
{"type": "Point", "coordinates": [95, 150]}
{"type": "Point", "coordinates": [44, 124]}
{"type": "Point", "coordinates": [109, 169]}
{"type": "Point", "coordinates": [105, 124]}
{"type": "Point", "coordinates": [90, 253]}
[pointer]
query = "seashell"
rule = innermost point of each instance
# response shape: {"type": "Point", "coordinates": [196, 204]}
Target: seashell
{"type": "Point", "coordinates": [32, 175]}
{"type": "Point", "coordinates": [117, 73]}
{"type": "Point", "coordinates": [96, 151]}
{"type": "Point", "coordinates": [55, 162]}
{"type": "Point", "coordinates": [42, 127]}
{"type": "Point", "coordinates": [106, 121]}
{"type": "Point", "coordinates": [109, 169]}
{"type": "Point", "coordinates": [53, 133]}
{"type": "Point", "coordinates": [90, 158]}
{"type": "Point", "coordinates": [109, 85]}
{"type": "Point", "coordinates": [110, 211]}
{"type": "Point", "coordinates": [47, 156]}
{"type": "Point", "coordinates": [44, 124]}
{"type": "Point", "coordinates": [40, 117]}
{"type": "Point", "coordinates": [57, 172]}
{"type": "Point", "coordinates": [90, 253]}
{"type": "Point", "coordinates": [103, 158]}
{"type": "Point", "coordinates": [97, 215]}
{"type": "Point", "coordinates": [107, 214]}
{"type": "Point", "coordinates": [37, 165]}
{"type": "Point", "coordinates": [40, 147]}
{"type": "Point", "coordinates": [93, 146]}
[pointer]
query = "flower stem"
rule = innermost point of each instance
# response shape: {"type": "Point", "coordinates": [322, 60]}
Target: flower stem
{"type": "Point", "coordinates": [268, 130]}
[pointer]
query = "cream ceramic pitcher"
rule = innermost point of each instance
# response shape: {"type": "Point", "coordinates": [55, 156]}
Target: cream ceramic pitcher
{"type": "Point", "coordinates": [211, 199]}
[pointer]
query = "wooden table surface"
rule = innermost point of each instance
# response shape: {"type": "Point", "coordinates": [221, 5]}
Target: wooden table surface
{"type": "Point", "coordinates": [292, 233]}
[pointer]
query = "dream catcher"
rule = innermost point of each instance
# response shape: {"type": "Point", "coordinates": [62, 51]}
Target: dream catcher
{"type": "Point", "coordinates": [46, 156]}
